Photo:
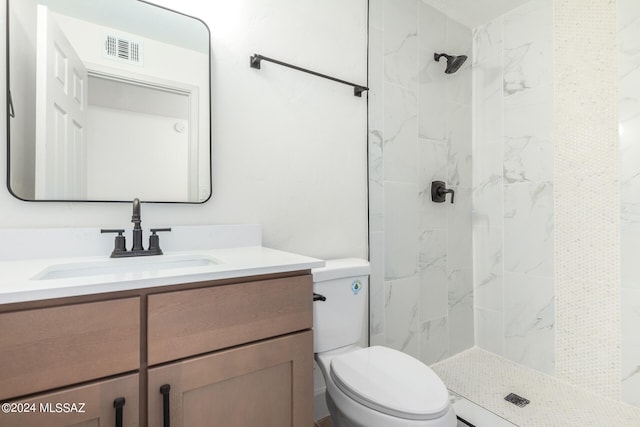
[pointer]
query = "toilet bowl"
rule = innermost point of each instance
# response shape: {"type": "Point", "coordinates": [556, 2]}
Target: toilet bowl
{"type": "Point", "coordinates": [374, 386]}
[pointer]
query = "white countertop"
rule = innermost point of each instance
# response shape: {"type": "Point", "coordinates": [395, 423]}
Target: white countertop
{"type": "Point", "coordinates": [19, 278]}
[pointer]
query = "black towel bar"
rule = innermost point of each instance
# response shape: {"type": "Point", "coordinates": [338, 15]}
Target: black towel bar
{"type": "Point", "coordinates": [254, 62]}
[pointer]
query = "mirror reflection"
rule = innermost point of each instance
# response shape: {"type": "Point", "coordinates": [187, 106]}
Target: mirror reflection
{"type": "Point", "coordinates": [108, 101]}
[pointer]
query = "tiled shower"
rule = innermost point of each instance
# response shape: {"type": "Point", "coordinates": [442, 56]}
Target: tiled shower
{"type": "Point", "coordinates": [482, 271]}
{"type": "Point", "coordinates": [420, 131]}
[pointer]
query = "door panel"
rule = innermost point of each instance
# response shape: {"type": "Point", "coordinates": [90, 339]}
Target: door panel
{"type": "Point", "coordinates": [61, 99]}
{"type": "Point", "coordinates": [269, 383]}
{"type": "Point", "coordinates": [90, 405]}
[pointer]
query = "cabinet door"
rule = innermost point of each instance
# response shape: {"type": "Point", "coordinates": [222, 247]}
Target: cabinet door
{"type": "Point", "coordinates": [267, 384]}
{"type": "Point", "coordinates": [90, 405]}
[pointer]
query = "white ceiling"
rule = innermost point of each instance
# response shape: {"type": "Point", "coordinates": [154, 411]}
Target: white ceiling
{"type": "Point", "coordinates": [474, 13]}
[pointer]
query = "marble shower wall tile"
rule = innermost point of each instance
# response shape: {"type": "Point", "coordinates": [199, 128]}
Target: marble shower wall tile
{"type": "Point", "coordinates": [375, 93]}
{"type": "Point", "coordinates": [376, 19]}
{"type": "Point", "coordinates": [629, 113]}
{"type": "Point", "coordinates": [402, 326]}
{"type": "Point", "coordinates": [432, 253]}
{"type": "Point", "coordinates": [630, 169]}
{"type": "Point", "coordinates": [528, 136]}
{"type": "Point", "coordinates": [630, 346]}
{"type": "Point", "coordinates": [629, 250]}
{"type": "Point", "coordinates": [432, 89]}
{"type": "Point", "coordinates": [487, 41]}
{"type": "Point", "coordinates": [460, 320]}
{"type": "Point", "coordinates": [376, 181]}
{"type": "Point", "coordinates": [488, 267]}
{"type": "Point", "coordinates": [629, 116]}
{"type": "Point", "coordinates": [528, 47]}
{"type": "Point", "coordinates": [489, 327]}
{"type": "Point", "coordinates": [528, 229]}
{"type": "Point", "coordinates": [400, 145]}
{"type": "Point", "coordinates": [433, 286]}
{"type": "Point", "coordinates": [376, 283]}
{"type": "Point", "coordinates": [460, 135]}
{"type": "Point", "coordinates": [434, 340]}
{"type": "Point", "coordinates": [459, 229]}
{"type": "Point", "coordinates": [488, 206]}
{"type": "Point", "coordinates": [459, 91]}
{"type": "Point", "coordinates": [529, 321]}
{"type": "Point", "coordinates": [488, 99]}
{"type": "Point", "coordinates": [401, 42]}
{"type": "Point", "coordinates": [400, 230]}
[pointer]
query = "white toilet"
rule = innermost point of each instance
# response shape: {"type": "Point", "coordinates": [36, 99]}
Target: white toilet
{"type": "Point", "coordinates": [374, 386]}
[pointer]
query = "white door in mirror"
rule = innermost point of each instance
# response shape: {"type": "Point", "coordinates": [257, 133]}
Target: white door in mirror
{"type": "Point", "coordinates": [61, 91]}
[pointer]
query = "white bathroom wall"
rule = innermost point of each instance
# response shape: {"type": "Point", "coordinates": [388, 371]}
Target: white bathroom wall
{"type": "Point", "coordinates": [419, 131]}
{"type": "Point", "coordinates": [289, 149]}
{"type": "Point", "coordinates": [629, 98]}
{"type": "Point", "coordinates": [513, 186]}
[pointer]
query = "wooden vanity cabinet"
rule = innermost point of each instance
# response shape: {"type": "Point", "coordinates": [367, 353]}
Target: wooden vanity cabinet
{"type": "Point", "coordinates": [232, 353]}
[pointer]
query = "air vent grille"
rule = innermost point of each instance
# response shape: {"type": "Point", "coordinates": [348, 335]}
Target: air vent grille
{"type": "Point", "coordinates": [123, 49]}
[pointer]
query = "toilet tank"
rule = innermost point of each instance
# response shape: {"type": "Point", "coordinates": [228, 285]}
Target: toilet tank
{"type": "Point", "coordinates": [337, 321]}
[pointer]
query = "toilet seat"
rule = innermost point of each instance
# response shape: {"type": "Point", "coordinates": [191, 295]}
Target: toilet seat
{"type": "Point", "coordinates": [391, 382]}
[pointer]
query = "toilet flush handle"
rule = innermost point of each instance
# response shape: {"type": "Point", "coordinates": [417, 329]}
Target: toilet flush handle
{"type": "Point", "coordinates": [318, 297]}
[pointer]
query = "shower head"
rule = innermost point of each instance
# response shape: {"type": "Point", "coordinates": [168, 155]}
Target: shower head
{"type": "Point", "coordinates": [453, 62]}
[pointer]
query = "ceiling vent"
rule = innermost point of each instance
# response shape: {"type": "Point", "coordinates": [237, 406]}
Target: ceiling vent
{"type": "Point", "coordinates": [123, 49]}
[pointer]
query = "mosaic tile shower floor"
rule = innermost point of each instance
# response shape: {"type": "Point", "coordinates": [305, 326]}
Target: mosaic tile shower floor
{"type": "Point", "coordinates": [485, 378]}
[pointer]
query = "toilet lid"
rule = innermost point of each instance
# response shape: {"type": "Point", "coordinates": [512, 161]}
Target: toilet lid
{"type": "Point", "coordinates": [391, 382]}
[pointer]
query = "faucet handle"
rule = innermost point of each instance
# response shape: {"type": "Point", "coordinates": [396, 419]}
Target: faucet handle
{"type": "Point", "coordinates": [157, 230]}
{"type": "Point", "coordinates": [112, 230]}
{"type": "Point", "coordinates": [154, 239]}
{"type": "Point", "coordinates": [120, 244]}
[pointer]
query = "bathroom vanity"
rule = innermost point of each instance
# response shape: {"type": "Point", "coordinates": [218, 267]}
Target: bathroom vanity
{"type": "Point", "coordinates": [223, 345]}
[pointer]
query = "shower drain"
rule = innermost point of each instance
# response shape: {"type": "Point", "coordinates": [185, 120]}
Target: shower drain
{"type": "Point", "coordinates": [517, 400]}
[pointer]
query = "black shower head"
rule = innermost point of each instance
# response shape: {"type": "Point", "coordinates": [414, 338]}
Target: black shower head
{"type": "Point", "coordinates": [453, 62]}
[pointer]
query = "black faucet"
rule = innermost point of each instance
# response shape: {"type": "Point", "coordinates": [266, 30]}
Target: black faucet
{"type": "Point", "coordinates": [137, 229]}
{"type": "Point", "coordinates": [120, 249]}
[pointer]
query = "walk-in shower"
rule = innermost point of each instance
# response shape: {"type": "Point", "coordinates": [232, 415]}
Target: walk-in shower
{"type": "Point", "coordinates": [495, 280]}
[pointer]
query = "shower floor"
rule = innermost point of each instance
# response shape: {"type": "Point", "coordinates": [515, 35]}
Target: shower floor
{"type": "Point", "coordinates": [485, 379]}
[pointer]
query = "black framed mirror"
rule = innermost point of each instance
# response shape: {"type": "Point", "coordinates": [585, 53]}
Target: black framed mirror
{"type": "Point", "coordinates": [108, 100]}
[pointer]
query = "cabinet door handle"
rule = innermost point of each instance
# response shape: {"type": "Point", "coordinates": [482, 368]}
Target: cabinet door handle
{"type": "Point", "coordinates": [164, 390]}
{"type": "Point", "coordinates": [119, 404]}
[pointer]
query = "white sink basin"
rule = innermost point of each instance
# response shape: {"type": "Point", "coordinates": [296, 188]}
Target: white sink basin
{"type": "Point", "coordinates": [148, 264]}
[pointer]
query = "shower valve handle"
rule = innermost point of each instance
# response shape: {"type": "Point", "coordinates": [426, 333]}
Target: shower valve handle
{"type": "Point", "coordinates": [439, 192]}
